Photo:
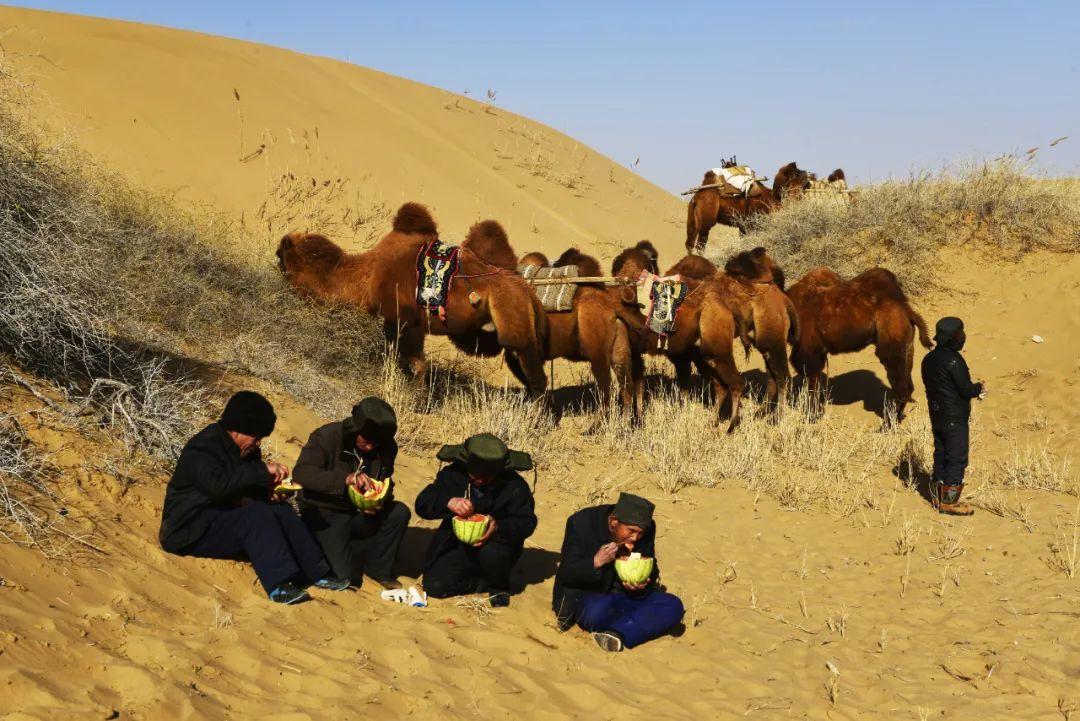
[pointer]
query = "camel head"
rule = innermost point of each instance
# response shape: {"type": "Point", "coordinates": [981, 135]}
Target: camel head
{"type": "Point", "coordinates": [534, 258]}
{"type": "Point", "coordinates": [630, 262]}
{"type": "Point", "coordinates": [790, 179]}
{"type": "Point", "coordinates": [307, 258]}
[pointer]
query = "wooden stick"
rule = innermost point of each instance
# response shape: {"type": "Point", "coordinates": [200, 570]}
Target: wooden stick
{"type": "Point", "coordinates": [561, 281]}
{"type": "Point", "coordinates": [736, 194]}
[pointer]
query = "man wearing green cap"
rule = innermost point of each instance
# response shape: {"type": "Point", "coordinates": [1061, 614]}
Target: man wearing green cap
{"type": "Point", "coordinates": [949, 392]}
{"type": "Point", "coordinates": [356, 453]}
{"type": "Point", "coordinates": [588, 591]}
{"type": "Point", "coordinates": [483, 479]}
{"type": "Point", "coordinates": [221, 503]}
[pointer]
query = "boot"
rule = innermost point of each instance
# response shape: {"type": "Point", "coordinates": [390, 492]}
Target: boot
{"type": "Point", "coordinates": [946, 500]}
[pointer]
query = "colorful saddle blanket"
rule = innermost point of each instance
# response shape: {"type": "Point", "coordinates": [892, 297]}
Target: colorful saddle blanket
{"type": "Point", "coordinates": [666, 296]}
{"type": "Point", "coordinates": [436, 265]}
{"type": "Point", "coordinates": [556, 297]}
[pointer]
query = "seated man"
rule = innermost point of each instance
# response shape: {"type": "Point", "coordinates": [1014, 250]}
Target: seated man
{"type": "Point", "coordinates": [482, 478]}
{"type": "Point", "coordinates": [588, 591]}
{"type": "Point", "coordinates": [354, 452]}
{"type": "Point", "coordinates": [220, 503]}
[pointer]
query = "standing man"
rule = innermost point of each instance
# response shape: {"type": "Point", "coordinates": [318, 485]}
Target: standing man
{"type": "Point", "coordinates": [588, 590]}
{"type": "Point", "coordinates": [354, 453]}
{"type": "Point", "coordinates": [949, 391]}
{"type": "Point", "coordinates": [220, 503]}
{"type": "Point", "coordinates": [482, 478]}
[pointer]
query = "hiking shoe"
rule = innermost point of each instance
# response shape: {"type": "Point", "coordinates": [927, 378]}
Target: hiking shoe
{"type": "Point", "coordinates": [945, 497]}
{"type": "Point", "coordinates": [333, 583]}
{"type": "Point", "coordinates": [499, 599]}
{"type": "Point", "coordinates": [289, 594]}
{"type": "Point", "coordinates": [608, 641]}
{"type": "Point", "coordinates": [388, 583]}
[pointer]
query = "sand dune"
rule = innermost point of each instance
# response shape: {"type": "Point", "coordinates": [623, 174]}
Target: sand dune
{"type": "Point", "coordinates": [789, 614]}
{"type": "Point", "coordinates": [159, 105]}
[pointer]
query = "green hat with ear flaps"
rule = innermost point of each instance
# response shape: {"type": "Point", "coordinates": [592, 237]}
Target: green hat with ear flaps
{"type": "Point", "coordinates": [486, 455]}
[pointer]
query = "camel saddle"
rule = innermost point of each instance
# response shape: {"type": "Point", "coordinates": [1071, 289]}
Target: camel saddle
{"type": "Point", "coordinates": [557, 297]}
{"type": "Point", "coordinates": [665, 297]}
{"type": "Point", "coordinates": [436, 265]}
{"type": "Point", "coordinates": [740, 177]}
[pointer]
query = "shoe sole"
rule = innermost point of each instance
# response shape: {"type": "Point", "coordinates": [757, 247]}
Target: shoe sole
{"type": "Point", "coordinates": [608, 642]}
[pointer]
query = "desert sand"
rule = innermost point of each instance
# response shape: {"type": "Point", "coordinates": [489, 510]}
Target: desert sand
{"type": "Point", "coordinates": [790, 614]}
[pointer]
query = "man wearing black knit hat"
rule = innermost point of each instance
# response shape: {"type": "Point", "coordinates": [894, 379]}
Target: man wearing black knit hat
{"type": "Point", "coordinates": [221, 502]}
{"type": "Point", "coordinates": [345, 463]}
{"type": "Point", "coordinates": [949, 392]}
{"type": "Point", "coordinates": [589, 590]}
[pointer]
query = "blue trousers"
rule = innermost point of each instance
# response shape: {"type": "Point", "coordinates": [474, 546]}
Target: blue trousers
{"type": "Point", "coordinates": [271, 535]}
{"type": "Point", "coordinates": [636, 618]}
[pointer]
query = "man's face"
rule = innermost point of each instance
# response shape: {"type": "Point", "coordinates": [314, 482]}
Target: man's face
{"type": "Point", "coordinates": [363, 444]}
{"type": "Point", "coordinates": [247, 444]}
{"type": "Point", "coordinates": [480, 480]}
{"type": "Point", "coordinates": [623, 533]}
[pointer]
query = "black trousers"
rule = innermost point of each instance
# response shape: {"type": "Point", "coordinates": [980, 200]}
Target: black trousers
{"type": "Point", "coordinates": [273, 538]}
{"type": "Point", "coordinates": [466, 569]}
{"type": "Point", "coordinates": [950, 452]}
{"type": "Point", "coordinates": [342, 533]}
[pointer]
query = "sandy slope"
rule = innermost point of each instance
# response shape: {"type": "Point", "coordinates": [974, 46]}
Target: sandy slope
{"type": "Point", "coordinates": [980, 628]}
{"type": "Point", "coordinates": [158, 104]}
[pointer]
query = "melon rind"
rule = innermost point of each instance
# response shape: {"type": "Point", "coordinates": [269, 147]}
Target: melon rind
{"type": "Point", "coordinates": [370, 501]}
{"type": "Point", "coordinates": [470, 531]}
{"type": "Point", "coordinates": [634, 570]}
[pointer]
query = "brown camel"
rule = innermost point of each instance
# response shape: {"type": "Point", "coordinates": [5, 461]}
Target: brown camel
{"type": "Point", "coordinates": [844, 316]}
{"type": "Point", "coordinates": [488, 308]}
{"type": "Point", "coordinates": [534, 258]}
{"type": "Point", "coordinates": [598, 330]}
{"type": "Point", "coordinates": [704, 335]}
{"type": "Point", "coordinates": [727, 206]}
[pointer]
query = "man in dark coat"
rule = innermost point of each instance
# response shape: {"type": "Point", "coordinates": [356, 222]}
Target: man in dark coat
{"type": "Point", "coordinates": [482, 478]}
{"type": "Point", "coordinates": [949, 391]}
{"type": "Point", "coordinates": [588, 590]}
{"type": "Point", "coordinates": [354, 453]}
{"type": "Point", "coordinates": [221, 503]}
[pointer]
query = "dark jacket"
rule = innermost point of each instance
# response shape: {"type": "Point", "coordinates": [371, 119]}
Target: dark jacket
{"type": "Point", "coordinates": [329, 456]}
{"type": "Point", "coordinates": [210, 473]}
{"type": "Point", "coordinates": [507, 499]}
{"type": "Point", "coordinates": [586, 531]}
{"type": "Point", "coordinates": [949, 389]}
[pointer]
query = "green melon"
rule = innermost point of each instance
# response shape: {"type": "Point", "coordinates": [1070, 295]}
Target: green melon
{"type": "Point", "coordinates": [373, 499]}
{"type": "Point", "coordinates": [634, 568]}
{"type": "Point", "coordinates": [472, 529]}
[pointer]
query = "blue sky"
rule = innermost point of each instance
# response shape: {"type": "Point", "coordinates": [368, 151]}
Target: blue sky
{"type": "Point", "coordinates": [880, 89]}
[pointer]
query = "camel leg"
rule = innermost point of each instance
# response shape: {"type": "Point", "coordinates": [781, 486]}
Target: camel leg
{"type": "Point", "coordinates": [515, 368]}
{"type": "Point", "coordinates": [532, 368]}
{"type": "Point", "coordinates": [900, 385]}
{"type": "Point", "coordinates": [518, 334]}
{"type": "Point", "coordinates": [779, 377]}
{"type": "Point", "coordinates": [682, 362]}
{"type": "Point", "coordinates": [637, 374]}
{"type": "Point", "coordinates": [727, 381]}
{"type": "Point", "coordinates": [622, 362]}
{"type": "Point", "coordinates": [410, 349]}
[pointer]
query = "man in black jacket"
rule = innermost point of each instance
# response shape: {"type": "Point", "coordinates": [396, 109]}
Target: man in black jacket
{"type": "Point", "coordinates": [482, 478]}
{"type": "Point", "coordinates": [221, 503]}
{"type": "Point", "coordinates": [588, 591]}
{"type": "Point", "coordinates": [354, 452]}
{"type": "Point", "coordinates": [949, 392]}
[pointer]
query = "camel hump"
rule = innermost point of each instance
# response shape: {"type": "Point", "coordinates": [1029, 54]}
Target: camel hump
{"type": "Point", "coordinates": [414, 218]}
{"type": "Point", "coordinates": [836, 175]}
{"type": "Point", "coordinates": [693, 266]}
{"type": "Point", "coordinates": [752, 265]}
{"type": "Point", "coordinates": [588, 266]}
{"type": "Point", "coordinates": [310, 250]}
{"type": "Point", "coordinates": [647, 247]}
{"type": "Point", "coordinates": [488, 241]}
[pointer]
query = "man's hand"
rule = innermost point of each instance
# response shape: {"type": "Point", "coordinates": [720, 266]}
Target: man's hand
{"type": "Point", "coordinates": [278, 472]}
{"type": "Point", "coordinates": [605, 555]}
{"type": "Point", "coordinates": [635, 586]}
{"type": "Point", "coordinates": [461, 507]}
{"type": "Point", "coordinates": [983, 393]}
{"type": "Point", "coordinates": [360, 481]}
{"type": "Point", "coordinates": [492, 525]}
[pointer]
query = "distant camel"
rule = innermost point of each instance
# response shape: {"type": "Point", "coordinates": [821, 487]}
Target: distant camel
{"type": "Point", "coordinates": [727, 206]}
{"type": "Point", "coordinates": [488, 308]}
{"type": "Point", "coordinates": [844, 316]}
